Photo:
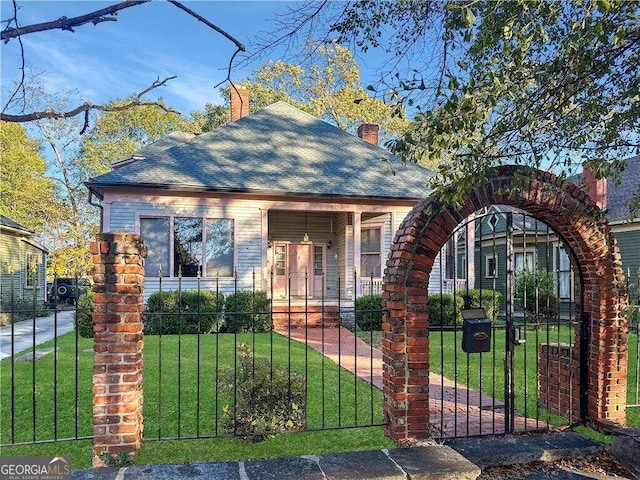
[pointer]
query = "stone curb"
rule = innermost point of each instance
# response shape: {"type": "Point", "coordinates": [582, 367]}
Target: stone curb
{"type": "Point", "coordinates": [520, 449]}
{"type": "Point", "coordinates": [433, 462]}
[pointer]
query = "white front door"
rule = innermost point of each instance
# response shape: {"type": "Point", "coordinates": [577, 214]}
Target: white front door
{"type": "Point", "coordinates": [300, 266]}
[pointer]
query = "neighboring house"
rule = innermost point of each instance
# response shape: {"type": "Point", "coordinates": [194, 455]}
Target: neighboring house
{"type": "Point", "coordinates": [535, 246]}
{"type": "Point", "coordinates": [307, 208]}
{"type": "Point", "coordinates": [22, 264]}
{"type": "Point", "coordinates": [614, 197]}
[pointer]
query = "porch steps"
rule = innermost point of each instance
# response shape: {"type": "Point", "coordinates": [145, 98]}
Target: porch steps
{"type": "Point", "coordinates": [301, 316]}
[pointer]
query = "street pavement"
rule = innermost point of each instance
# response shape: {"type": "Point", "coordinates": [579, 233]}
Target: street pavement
{"type": "Point", "coordinates": [46, 328]}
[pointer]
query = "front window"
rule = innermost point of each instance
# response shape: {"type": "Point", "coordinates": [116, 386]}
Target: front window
{"type": "Point", "coordinates": [187, 246]}
{"type": "Point", "coordinates": [33, 265]}
{"type": "Point", "coordinates": [220, 249]}
{"type": "Point", "coordinates": [155, 235]}
{"type": "Point", "coordinates": [564, 274]}
{"type": "Point", "coordinates": [525, 261]}
{"type": "Point", "coordinates": [201, 246]}
{"type": "Point", "coordinates": [491, 270]}
{"type": "Point", "coordinates": [370, 252]}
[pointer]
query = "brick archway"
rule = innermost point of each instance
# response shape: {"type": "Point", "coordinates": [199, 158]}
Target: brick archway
{"type": "Point", "coordinates": [570, 212]}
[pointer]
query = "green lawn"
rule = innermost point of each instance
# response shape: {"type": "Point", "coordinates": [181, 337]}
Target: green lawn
{"type": "Point", "coordinates": [493, 380]}
{"type": "Point", "coordinates": [175, 371]}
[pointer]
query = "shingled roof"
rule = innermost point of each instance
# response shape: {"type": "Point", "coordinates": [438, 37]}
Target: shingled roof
{"type": "Point", "coordinates": [619, 195]}
{"type": "Point", "coordinates": [277, 150]}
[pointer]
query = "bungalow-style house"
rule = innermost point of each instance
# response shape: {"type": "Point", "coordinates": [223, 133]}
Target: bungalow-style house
{"type": "Point", "coordinates": [290, 204]}
{"type": "Point", "coordinates": [22, 265]}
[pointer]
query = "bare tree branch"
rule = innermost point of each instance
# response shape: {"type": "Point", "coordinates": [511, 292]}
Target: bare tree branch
{"type": "Point", "coordinates": [136, 101]}
{"type": "Point", "coordinates": [64, 23]}
{"type": "Point", "coordinates": [208, 23]}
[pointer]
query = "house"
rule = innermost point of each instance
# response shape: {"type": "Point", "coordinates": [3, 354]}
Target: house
{"type": "Point", "coordinates": [22, 265]}
{"type": "Point", "coordinates": [277, 199]}
{"type": "Point", "coordinates": [614, 197]}
{"type": "Point", "coordinates": [535, 246]}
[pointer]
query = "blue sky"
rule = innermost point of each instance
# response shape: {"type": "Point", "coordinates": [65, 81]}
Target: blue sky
{"type": "Point", "coordinates": [114, 59]}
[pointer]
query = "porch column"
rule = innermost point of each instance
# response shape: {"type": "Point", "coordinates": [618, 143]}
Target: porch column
{"type": "Point", "coordinates": [357, 230]}
{"type": "Point", "coordinates": [264, 250]}
{"type": "Point", "coordinates": [471, 243]}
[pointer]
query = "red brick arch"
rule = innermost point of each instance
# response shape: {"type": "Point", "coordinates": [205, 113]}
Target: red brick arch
{"type": "Point", "coordinates": [565, 208]}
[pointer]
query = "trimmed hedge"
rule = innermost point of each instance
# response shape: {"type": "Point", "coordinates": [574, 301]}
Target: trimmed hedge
{"type": "Point", "coordinates": [490, 301]}
{"type": "Point", "coordinates": [443, 311]}
{"type": "Point", "coordinates": [247, 311]}
{"type": "Point", "coordinates": [369, 312]}
{"type": "Point", "coordinates": [83, 318]}
{"type": "Point", "coordinates": [189, 311]}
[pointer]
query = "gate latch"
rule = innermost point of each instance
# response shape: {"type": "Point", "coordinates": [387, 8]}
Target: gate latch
{"type": "Point", "coordinates": [517, 338]}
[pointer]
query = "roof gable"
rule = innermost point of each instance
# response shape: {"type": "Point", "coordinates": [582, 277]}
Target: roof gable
{"type": "Point", "coordinates": [278, 149]}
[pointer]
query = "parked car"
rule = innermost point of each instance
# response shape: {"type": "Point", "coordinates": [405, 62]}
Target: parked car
{"type": "Point", "coordinates": [67, 290]}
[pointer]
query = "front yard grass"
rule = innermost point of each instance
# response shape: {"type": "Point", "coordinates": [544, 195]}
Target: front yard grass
{"type": "Point", "coordinates": [174, 368]}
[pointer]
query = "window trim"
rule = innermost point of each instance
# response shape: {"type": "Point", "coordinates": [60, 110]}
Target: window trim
{"type": "Point", "coordinates": [557, 246]}
{"type": "Point", "coordinates": [487, 273]}
{"type": "Point", "coordinates": [370, 226]}
{"type": "Point", "coordinates": [203, 216]}
{"type": "Point", "coordinates": [37, 258]}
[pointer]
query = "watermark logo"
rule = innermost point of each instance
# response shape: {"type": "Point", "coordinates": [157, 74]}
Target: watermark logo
{"type": "Point", "coordinates": [35, 468]}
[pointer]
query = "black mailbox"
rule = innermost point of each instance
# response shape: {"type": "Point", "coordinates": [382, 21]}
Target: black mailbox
{"type": "Point", "coordinates": [476, 331]}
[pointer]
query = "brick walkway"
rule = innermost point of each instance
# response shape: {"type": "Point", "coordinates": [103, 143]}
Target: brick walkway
{"type": "Point", "coordinates": [455, 410]}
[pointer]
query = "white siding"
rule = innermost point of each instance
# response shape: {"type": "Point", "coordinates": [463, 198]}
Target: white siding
{"type": "Point", "coordinates": [125, 217]}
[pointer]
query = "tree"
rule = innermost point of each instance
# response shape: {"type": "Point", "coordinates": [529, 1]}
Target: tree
{"type": "Point", "coordinates": [325, 84]}
{"type": "Point", "coordinates": [14, 30]}
{"type": "Point", "coordinates": [544, 84]}
{"type": "Point", "coordinates": [24, 188]}
{"type": "Point", "coordinates": [116, 134]}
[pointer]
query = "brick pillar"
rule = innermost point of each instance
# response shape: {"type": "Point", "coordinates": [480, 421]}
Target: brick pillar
{"type": "Point", "coordinates": [118, 277]}
{"type": "Point", "coordinates": [559, 379]}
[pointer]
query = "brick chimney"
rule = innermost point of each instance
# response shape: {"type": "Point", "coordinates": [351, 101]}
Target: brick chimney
{"type": "Point", "coordinates": [239, 102]}
{"type": "Point", "coordinates": [369, 132]}
{"type": "Point", "coordinates": [595, 187]}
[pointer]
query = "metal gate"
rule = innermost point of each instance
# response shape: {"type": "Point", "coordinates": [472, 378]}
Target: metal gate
{"type": "Point", "coordinates": [514, 364]}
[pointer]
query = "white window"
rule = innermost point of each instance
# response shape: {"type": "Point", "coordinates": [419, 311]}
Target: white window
{"type": "Point", "coordinates": [33, 268]}
{"type": "Point", "coordinates": [370, 252]}
{"type": "Point", "coordinates": [155, 235]}
{"type": "Point", "coordinates": [563, 272]}
{"type": "Point", "coordinates": [201, 246]}
{"type": "Point", "coordinates": [525, 261]}
{"type": "Point", "coordinates": [491, 264]}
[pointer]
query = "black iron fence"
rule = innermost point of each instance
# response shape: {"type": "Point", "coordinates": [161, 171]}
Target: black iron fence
{"type": "Point", "coordinates": [247, 362]}
{"type": "Point", "coordinates": [226, 360]}
{"type": "Point", "coordinates": [46, 369]}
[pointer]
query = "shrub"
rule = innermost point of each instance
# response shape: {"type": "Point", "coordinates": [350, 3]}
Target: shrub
{"type": "Point", "coordinates": [21, 309]}
{"type": "Point", "coordinates": [188, 311]}
{"type": "Point", "coordinates": [83, 318]}
{"type": "Point", "coordinates": [490, 301]}
{"type": "Point", "coordinates": [247, 311]}
{"type": "Point", "coordinates": [270, 399]}
{"type": "Point", "coordinates": [443, 311]}
{"type": "Point", "coordinates": [369, 312]}
{"type": "Point", "coordinates": [541, 286]}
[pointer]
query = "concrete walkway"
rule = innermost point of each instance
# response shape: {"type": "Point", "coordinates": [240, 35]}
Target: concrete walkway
{"type": "Point", "coordinates": [459, 410]}
{"type": "Point", "coordinates": [46, 328]}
